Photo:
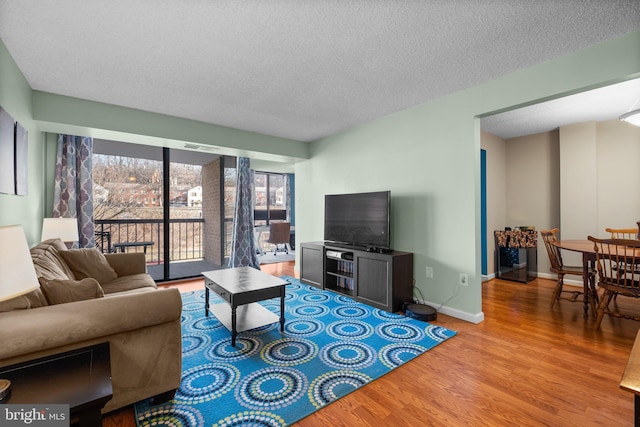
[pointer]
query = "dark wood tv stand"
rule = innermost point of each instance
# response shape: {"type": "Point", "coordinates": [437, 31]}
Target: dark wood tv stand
{"type": "Point", "coordinates": [382, 280]}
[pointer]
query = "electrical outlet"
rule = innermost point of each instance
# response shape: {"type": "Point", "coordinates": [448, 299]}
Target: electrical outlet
{"type": "Point", "coordinates": [463, 280]}
{"type": "Point", "coordinates": [429, 272]}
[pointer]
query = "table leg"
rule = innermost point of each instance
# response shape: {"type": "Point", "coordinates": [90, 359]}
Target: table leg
{"type": "Point", "coordinates": [206, 301]}
{"type": "Point", "coordinates": [585, 283]}
{"type": "Point", "coordinates": [282, 295]}
{"type": "Point", "coordinates": [234, 332]}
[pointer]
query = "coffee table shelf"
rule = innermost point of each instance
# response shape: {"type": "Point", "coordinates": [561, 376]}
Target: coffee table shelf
{"type": "Point", "coordinates": [248, 316]}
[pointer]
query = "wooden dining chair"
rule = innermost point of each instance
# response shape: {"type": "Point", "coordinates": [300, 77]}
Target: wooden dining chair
{"type": "Point", "coordinates": [611, 254]}
{"type": "Point", "coordinates": [622, 233]}
{"type": "Point", "coordinates": [558, 267]}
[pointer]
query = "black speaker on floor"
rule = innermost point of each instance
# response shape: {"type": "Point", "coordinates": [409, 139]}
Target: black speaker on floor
{"type": "Point", "coordinates": [422, 312]}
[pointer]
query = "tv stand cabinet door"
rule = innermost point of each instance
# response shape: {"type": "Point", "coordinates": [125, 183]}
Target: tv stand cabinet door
{"type": "Point", "coordinates": [373, 280]}
{"type": "Point", "coordinates": [312, 264]}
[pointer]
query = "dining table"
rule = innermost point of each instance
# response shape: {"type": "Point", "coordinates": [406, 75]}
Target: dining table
{"type": "Point", "coordinates": [588, 251]}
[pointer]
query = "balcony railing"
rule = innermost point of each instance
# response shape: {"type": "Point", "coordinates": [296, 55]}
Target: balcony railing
{"type": "Point", "coordinates": [186, 237]}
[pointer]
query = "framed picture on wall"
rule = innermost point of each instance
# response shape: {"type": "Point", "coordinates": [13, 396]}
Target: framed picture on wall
{"type": "Point", "coordinates": [7, 153]}
{"type": "Point", "coordinates": [22, 160]}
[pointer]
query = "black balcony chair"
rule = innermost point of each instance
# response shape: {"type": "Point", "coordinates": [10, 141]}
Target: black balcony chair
{"type": "Point", "coordinates": [103, 241]}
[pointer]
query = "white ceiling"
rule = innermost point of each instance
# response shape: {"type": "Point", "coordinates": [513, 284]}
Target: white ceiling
{"type": "Point", "coordinates": [300, 69]}
{"type": "Point", "coordinates": [606, 103]}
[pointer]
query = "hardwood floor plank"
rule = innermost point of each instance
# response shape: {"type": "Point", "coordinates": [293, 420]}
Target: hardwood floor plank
{"type": "Point", "coordinates": [527, 364]}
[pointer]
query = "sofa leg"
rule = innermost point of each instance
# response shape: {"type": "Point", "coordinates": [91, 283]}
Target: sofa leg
{"type": "Point", "coordinates": [163, 397]}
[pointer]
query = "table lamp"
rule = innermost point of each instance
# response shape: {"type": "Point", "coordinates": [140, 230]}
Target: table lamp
{"type": "Point", "coordinates": [18, 274]}
{"type": "Point", "coordinates": [66, 229]}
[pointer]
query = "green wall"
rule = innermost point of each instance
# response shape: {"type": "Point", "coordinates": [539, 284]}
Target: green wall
{"type": "Point", "coordinates": [63, 114]}
{"type": "Point", "coordinates": [15, 98]}
{"type": "Point", "coordinates": [428, 156]}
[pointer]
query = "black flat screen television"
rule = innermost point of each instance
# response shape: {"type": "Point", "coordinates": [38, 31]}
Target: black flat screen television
{"type": "Point", "coordinates": [360, 219]}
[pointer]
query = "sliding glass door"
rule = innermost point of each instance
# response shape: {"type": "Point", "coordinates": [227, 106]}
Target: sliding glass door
{"type": "Point", "coordinates": [165, 203]}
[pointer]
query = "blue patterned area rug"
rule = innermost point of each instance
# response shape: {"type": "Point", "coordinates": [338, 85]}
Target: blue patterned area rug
{"type": "Point", "coordinates": [331, 346]}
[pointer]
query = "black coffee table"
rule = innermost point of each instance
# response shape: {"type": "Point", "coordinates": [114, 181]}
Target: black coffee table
{"type": "Point", "coordinates": [242, 288]}
{"type": "Point", "coordinates": [79, 378]}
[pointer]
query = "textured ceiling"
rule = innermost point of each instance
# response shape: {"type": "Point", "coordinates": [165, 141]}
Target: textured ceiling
{"type": "Point", "coordinates": [300, 69]}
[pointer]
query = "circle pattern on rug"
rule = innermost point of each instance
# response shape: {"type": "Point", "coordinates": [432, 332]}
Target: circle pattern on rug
{"type": "Point", "coordinates": [271, 388]}
{"type": "Point", "coordinates": [303, 327]}
{"type": "Point", "coordinates": [253, 419]}
{"type": "Point", "coordinates": [206, 382]}
{"type": "Point", "coordinates": [394, 355]}
{"type": "Point", "coordinates": [352, 311]}
{"type": "Point", "coordinates": [332, 385]}
{"type": "Point", "coordinates": [170, 415]}
{"type": "Point", "coordinates": [292, 286]}
{"type": "Point", "coordinates": [437, 333]}
{"type": "Point", "coordinates": [399, 332]}
{"type": "Point", "coordinates": [343, 299]}
{"type": "Point", "coordinates": [289, 352]}
{"type": "Point", "coordinates": [389, 317]}
{"type": "Point", "coordinates": [310, 310]}
{"type": "Point", "coordinates": [315, 298]}
{"type": "Point", "coordinates": [246, 347]}
{"type": "Point", "coordinates": [348, 355]}
{"type": "Point", "coordinates": [194, 342]}
{"type": "Point", "coordinates": [350, 330]}
{"type": "Point", "coordinates": [207, 324]}
{"type": "Point", "coordinates": [191, 306]}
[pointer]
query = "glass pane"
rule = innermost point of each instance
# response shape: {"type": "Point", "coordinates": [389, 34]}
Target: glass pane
{"type": "Point", "coordinates": [229, 207]}
{"type": "Point", "coordinates": [277, 192]}
{"type": "Point", "coordinates": [127, 196]}
{"type": "Point", "coordinates": [260, 205]}
{"type": "Point", "coordinates": [185, 218]}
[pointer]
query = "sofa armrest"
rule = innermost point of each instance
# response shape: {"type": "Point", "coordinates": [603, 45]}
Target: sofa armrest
{"type": "Point", "coordinates": [128, 263]}
{"type": "Point", "coordinates": [37, 329]}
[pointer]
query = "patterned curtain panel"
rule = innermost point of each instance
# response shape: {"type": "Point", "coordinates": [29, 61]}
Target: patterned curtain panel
{"type": "Point", "coordinates": [243, 248]}
{"type": "Point", "coordinates": [73, 191]}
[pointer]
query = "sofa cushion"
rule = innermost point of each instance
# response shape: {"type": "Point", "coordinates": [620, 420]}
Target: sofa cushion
{"type": "Point", "coordinates": [134, 282]}
{"type": "Point", "coordinates": [33, 299]}
{"type": "Point", "coordinates": [89, 263]}
{"type": "Point", "coordinates": [48, 262]}
{"type": "Point", "coordinates": [63, 291]}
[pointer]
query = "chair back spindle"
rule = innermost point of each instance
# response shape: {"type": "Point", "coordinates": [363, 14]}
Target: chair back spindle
{"type": "Point", "coordinates": [618, 264]}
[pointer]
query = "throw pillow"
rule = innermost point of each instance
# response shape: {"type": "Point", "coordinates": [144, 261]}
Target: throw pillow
{"type": "Point", "coordinates": [60, 291]}
{"type": "Point", "coordinates": [89, 263]}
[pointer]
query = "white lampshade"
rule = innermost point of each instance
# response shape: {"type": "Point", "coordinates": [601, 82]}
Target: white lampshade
{"type": "Point", "coordinates": [18, 273]}
{"type": "Point", "coordinates": [632, 117]}
{"type": "Point", "coordinates": [65, 229]}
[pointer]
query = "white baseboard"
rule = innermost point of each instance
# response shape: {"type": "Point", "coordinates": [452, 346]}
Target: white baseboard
{"type": "Point", "coordinates": [570, 282]}
{"type": "Point", "coordinates": [454, 312]}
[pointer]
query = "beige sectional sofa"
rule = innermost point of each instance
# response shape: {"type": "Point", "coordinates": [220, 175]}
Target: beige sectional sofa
{"type": "Point", "coordinates": [123, 306]}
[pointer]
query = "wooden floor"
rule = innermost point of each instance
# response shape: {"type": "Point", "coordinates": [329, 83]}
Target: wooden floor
{"type": "Point", "coordinates": [526, 364]}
